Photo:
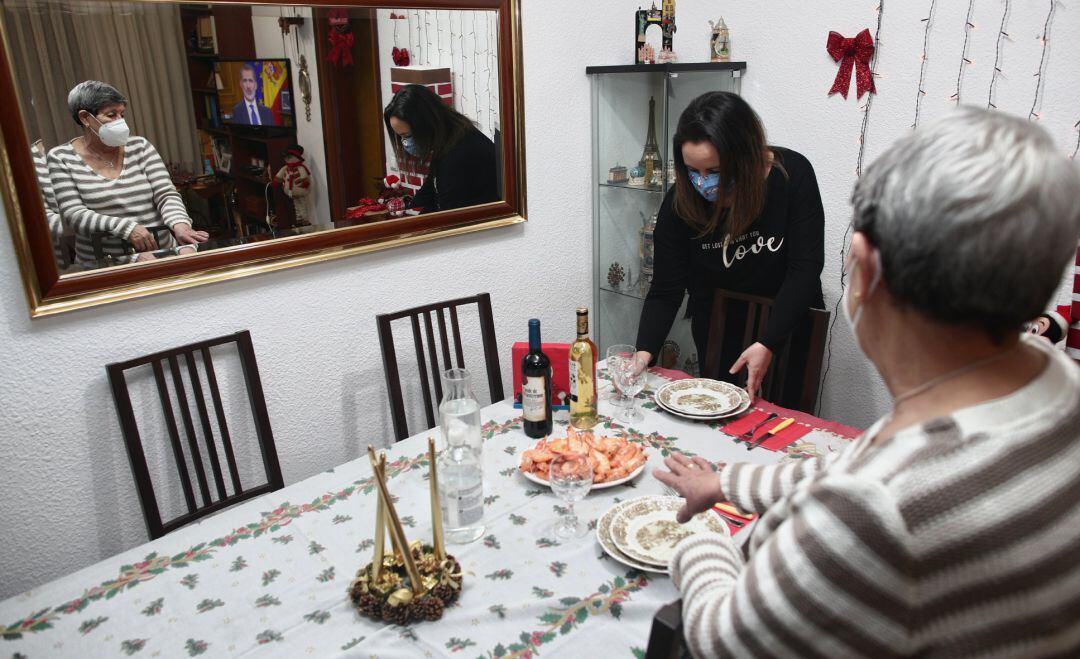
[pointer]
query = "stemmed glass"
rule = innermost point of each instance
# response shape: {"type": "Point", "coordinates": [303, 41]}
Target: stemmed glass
{"type": "Point", "coordinates": [571, 477]}
{"type": "Point", "coordinates": [618, 398]}
{"type": "Point", "coordinates": [628, 372]}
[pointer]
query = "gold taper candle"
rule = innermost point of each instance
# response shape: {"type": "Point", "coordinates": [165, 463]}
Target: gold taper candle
{"type": "Point", "coordinates": [436, 509]}
{"type": "Point", "coordinates": [380, 528]}
{"type": "Point", "coordinates": [397, 531]}
{"type": "Point", "coordinates": [381, 468]}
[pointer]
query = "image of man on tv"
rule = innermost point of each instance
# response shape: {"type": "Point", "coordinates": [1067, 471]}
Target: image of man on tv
{"type": "Point", "coordinates": [250, 112]}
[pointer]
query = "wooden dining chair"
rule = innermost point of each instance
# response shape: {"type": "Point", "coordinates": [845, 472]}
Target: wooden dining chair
{"type": "Point", "coordinates": [186, 355]}
{"type": "Point", "coordinates": [666, 639]}
{"type": "Point", "coordinates": [427, 361]}
{"type": "Point", "coordinates": [788, 382]}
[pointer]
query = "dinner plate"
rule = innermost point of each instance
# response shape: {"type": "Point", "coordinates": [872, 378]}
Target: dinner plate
{"type": "Point", "coordinates": [646, 530]}
{"type": "Point", "coordinates": [743, 406]}
{"type": "Point", "coordinates": [603, 536]}
{"type": "Point", "coordinates": [700, 397]}
{"type": "Point", "coordinates": [596, 486]}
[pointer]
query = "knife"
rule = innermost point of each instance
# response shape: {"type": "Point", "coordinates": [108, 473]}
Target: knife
{"type": "Point", "coordinates": [775, 429]}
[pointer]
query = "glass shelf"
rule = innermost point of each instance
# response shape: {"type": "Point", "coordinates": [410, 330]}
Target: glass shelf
{"type": "Point", "coordinates": [627, 186]}
{"type": "Point", "coordinates": [629, 292]}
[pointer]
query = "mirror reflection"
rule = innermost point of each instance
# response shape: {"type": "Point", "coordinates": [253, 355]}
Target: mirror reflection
{"type": "Point", "coordinates": [165, 130]}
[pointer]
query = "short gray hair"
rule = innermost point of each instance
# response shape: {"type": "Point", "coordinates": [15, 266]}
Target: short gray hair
{"type": "Point", "coordinates": [92, 95]}
{"type": "Point", "coordinates": [976, 215]}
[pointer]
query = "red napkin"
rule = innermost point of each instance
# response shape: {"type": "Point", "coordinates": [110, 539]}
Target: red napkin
{"type": "Point", "coordinates": [728, 520]}
{"type": "Point", "coordinates": [777, 442]}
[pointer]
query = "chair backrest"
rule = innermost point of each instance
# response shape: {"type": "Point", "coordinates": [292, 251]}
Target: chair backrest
{"type": "Point", "coordinates": [186, 354]}
{"type": "Point", "coordinates": [427, 361]}
{"type": "Point", "coordinates": [666, 637]}
{"type": "Point", "coordinates": [788, 382]}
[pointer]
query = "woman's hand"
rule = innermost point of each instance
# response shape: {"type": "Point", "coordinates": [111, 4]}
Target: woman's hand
{"type": "Point", "coordinates": [187, 250]}
{"type": "Point", "coordinates": [145, 256]}
{"type": "Point", "coordinates": [142, 240]}
{"type": "Point", "coordinates": [643, 358]}
{"type": "Point", "coordinates": [756, 359]}
{"type": "Point", "coordinates": [185, 235]}
{"type": "Point", "coordinates": [694, 480]}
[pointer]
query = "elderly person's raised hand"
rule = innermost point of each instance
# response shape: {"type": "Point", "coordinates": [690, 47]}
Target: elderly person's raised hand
{"type": "Point", "coordinates": [694, 480]}
{"type": "Point", "coordinates": [185, 235]}
{"type": "Point", "coordinates": [142, 240]}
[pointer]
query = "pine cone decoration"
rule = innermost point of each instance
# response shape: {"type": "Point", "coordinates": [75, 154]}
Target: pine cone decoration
{"type": "Point", "coordinates": [365, 602]}
{"type": "Point", "coordinates": [428, 608]}
{"type": "Point", "coordinates": [445, 594]}
{"type": "Point", "coordinates": [398, 615]}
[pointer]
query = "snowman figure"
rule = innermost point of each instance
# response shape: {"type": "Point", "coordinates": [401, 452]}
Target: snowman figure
{"type": "Point", "coordinates": [295, 181]}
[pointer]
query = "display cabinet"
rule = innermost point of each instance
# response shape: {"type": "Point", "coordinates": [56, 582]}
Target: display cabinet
{"type": "Point", "coordinates": [635, 110]}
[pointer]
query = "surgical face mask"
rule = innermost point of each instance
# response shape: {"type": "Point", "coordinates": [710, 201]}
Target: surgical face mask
{"type": "Point", "coordinates": [853, 317]}
{"type": "Point", "coordinates": [409, 144]}
{"type": "Point", "coordinates": [115, 133]}
{"type": "Point", "coordinates": [707, 186]}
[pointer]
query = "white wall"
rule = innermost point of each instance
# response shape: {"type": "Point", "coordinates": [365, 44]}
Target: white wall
{"type": "Point", "coordinates": [66, 493]}
{"type": "Point", "coordinates": [309, 134]}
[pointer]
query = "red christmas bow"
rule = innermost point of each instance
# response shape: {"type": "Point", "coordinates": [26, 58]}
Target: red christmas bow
{"type": "Point", "coordinates": [850, 53]}
{"type": "Point", "coordinates": [341, 48]}
{"type": "Point", "coordinates": [400, 56]}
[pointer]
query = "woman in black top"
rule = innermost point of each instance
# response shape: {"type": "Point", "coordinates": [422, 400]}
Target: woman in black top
{"type": "Point", "coordinates": [424, 128]}
{"type": "Point", "coordinates": [742, 216]}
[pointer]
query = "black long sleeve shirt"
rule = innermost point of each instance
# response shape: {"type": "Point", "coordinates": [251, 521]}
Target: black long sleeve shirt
{"type": "Point", "coordinates": [780, 256]}
{"type": "Point", "coordinates": [465, 176]}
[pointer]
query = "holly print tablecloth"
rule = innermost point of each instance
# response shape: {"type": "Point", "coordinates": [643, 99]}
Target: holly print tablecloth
{"type": "Point", "coordinates": [269, 577]}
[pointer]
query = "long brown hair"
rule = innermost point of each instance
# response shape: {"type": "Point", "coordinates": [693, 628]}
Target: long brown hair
{"type": "Point", "coordinates": [732, 126]}
{"type": "Point", "coordinates": [436, 127]}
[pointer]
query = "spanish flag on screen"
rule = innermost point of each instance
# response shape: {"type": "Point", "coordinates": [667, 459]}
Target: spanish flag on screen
{"type": "Point", "coordinates": [273, 79]}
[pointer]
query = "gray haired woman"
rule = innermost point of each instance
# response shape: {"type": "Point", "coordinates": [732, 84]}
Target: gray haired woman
{"type": "Point", "coordinates": [952, 526]}
{"type": "Point", "coordinates": [112, 186]}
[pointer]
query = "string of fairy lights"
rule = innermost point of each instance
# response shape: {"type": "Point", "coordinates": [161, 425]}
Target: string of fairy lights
{"type": "Point", "coordinates": [1045, 39]}
{"type": "Point", "coordinates": [927, 24]}
{"type": "Point", "coordinates": [964, 60]}
{"type": "Point", "coordinates": [467, 43]}
{"type": "Point", "coordinates": [1002, 35]}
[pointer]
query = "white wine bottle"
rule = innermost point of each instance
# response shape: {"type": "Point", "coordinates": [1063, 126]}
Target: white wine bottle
{"type": "Point", "coordinates": [583, 375]}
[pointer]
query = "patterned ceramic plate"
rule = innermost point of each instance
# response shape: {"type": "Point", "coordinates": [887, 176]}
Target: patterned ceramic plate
{"type": "Point", "coordinates": [700, 397]}
{"type": "Point", "coordinates": [603, 536]}
{"type": "Point", "coordinates": [645, 529]}
{"type": "Point", "coordinates": [596, 486]}
{"type": "Point", "coordinates": [743, 406]}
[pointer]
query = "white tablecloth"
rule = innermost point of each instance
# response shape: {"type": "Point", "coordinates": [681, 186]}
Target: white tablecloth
{"type": "Point", "coordinates": [269, 577]}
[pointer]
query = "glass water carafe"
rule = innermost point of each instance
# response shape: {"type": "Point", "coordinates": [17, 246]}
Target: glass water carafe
{"type": "Point", "coordinates": [461, 481]}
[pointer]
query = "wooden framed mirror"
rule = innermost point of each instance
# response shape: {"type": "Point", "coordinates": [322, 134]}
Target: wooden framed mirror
{"type": "Point", "coordinates": [170, 144]}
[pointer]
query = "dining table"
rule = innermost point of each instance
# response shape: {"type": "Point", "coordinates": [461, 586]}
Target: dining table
{"type": "Point", "coordinates": [270, 576]}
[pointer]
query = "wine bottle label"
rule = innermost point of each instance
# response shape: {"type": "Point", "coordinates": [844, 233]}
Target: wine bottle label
{"type": "Point", "coordinates": [573, 381]}
{"type": "Point", "coordinates": [533, 395]}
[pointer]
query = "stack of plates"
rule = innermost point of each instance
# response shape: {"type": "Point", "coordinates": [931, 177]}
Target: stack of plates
{"type": "Point", "coordinates": [702, 399]}
{"type": "Point", "coordinates": [642, 533]}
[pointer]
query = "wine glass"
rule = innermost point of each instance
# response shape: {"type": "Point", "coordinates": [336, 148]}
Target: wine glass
{"type": "Point", "coordinates": [618, 398]}
{"type": "Point", "coordinates": [571, 477]}
{"type": "Point", "coordinates": [629, 373]}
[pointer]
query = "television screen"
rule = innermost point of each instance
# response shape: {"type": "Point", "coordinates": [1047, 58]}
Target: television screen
{"type": "Point", "coordinates": [255, 92]}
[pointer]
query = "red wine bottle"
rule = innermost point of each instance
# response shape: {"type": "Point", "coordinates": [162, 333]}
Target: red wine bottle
{"type": "Point", "coordinates": [536, 386]}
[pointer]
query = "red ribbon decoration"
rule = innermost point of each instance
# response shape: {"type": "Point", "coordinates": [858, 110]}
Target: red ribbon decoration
{"type": "Point", "coordinates": [852, 53]}
{"type": "Point", "coordinates": [341, 48]}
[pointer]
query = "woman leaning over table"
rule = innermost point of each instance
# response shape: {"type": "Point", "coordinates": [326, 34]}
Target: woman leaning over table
{"type": "Point", "coordinates": [743, 216]}
{"type": "Point", "coordinates": [952, 526]}
{"type": "Point", "coordinates": [108, 183]}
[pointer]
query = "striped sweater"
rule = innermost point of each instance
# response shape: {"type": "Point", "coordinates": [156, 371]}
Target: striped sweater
{"type": "Point", "coordinates": [956, 538]}
{"type": "Point", "coordinates": [92, 204]}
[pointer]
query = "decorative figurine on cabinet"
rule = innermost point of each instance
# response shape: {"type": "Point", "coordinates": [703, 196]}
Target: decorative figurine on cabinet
{"type": "Point", "coordinates": [665, 19]}
{"type": "Point", "coordinates": [615, 276]}
{"type": "Point", "coordinates": [617, 175]}
{"type": "Point", "coordinates": [650, 155]}
{"type": "Point", "coordinates": [720, 42]}
{"type": "Point", "coordinates": [637, 176]}
{"type": "Point", "coordinates": [295, 181]}
{"type": "Point", "coordinates": [646, 251]}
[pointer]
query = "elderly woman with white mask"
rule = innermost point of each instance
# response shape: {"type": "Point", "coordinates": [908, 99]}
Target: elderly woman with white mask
{"type": "Point", "coordinates": [952, 526]}
{"type": "Point", "coordinates": [107, 182]}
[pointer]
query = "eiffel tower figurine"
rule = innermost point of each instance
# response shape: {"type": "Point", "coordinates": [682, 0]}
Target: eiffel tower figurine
{"type": "Point", "coordinates": [650, 157]}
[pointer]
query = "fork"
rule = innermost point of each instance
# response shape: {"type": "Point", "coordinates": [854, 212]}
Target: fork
{"type": "Point", "coordinates": [749, 434]}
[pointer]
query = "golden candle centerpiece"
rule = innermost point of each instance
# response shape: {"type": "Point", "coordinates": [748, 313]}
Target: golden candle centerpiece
{"type": "Point", "coordinates": [414, 581]}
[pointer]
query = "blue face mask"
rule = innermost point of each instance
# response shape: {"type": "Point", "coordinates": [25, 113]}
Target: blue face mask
{"type": "Point", "coordinates": [409, 144]}
{"type": "Point", "coordinates": [707, 186]}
